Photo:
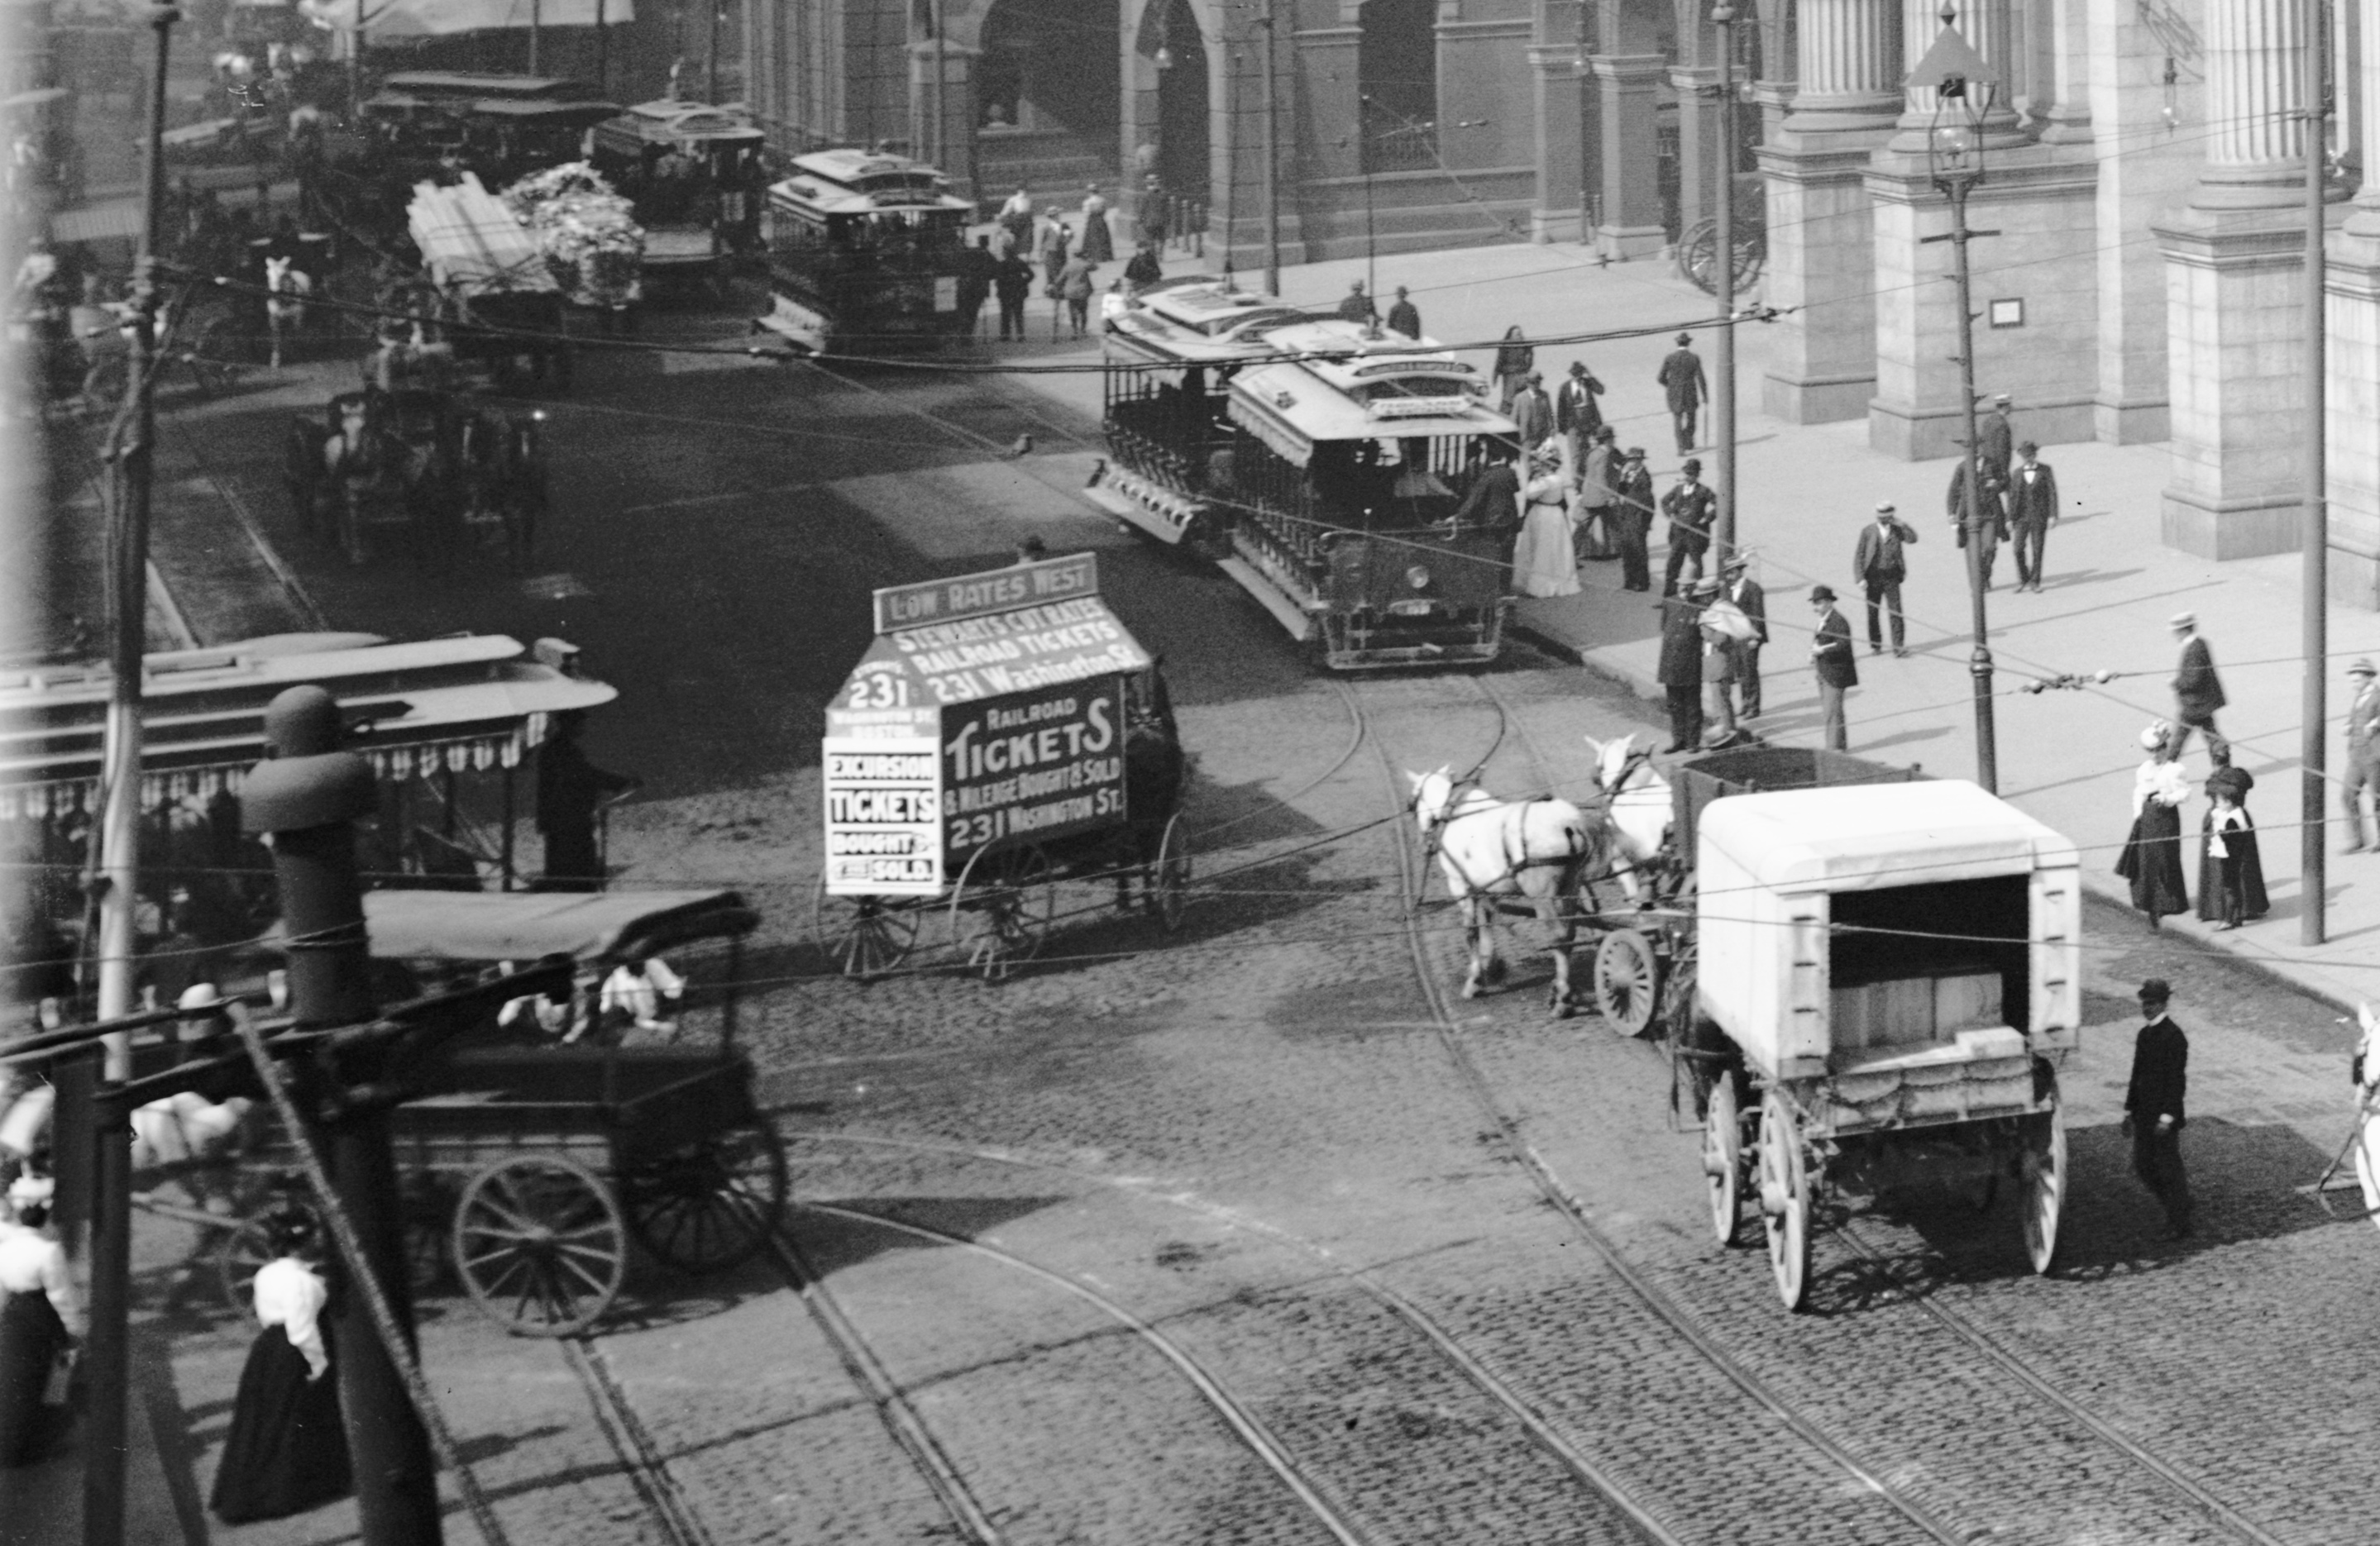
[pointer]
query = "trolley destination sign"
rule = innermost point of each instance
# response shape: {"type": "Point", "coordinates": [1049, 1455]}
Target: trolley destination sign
{"type": "Point", "coordinates": [989, 707]}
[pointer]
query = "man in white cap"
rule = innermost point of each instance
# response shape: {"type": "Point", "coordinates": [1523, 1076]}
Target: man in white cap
{"type": "Point", "coordinates": [2197, 692]}
{"type": "Point", "coordinates": [1753, 601]}
{"type": "Point", "coordinates": [2362, 769]}
{"type": "Point", "coordinates": [1879, 566]}
{"type": "Point", "coordinates": [1995, 437]}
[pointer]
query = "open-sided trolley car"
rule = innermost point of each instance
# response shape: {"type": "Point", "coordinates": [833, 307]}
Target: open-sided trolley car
{"type": "Point", "coordinates": [1005, 736]}
{"type": "Point", "coordinates": [865, 253]}
{"type": "Point", "coordinates": [694, 173]}
{"type": "Point", "coordinates": [1873, 980]}
{"type": "Point", "coordinates": [1319, 462]}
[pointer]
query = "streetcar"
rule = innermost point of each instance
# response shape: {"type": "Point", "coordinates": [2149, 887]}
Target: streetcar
{"type": "Point", "coordinates": [866, 252]}
{"type": "Point", "coordinates": [693, 171]}
{"type": "Point", "coordinates": [1868, 978]}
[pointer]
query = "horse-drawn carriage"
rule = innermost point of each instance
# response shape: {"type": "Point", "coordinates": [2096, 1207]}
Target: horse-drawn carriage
{"type": "Point", "coordinates": [485, 294]}
{"type": "Point", "coordinates": [1865, 976]}
{"type": "Point", "coordinates": [1004, 739]}
{"type": "Point", "coordinates": [443, 474]}
{"type": "Point", "coordinates": [527, 1163]}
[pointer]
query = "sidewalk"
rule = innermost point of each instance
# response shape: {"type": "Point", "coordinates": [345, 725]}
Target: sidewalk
{"type": "Point", "coordinates": [2066, 756]}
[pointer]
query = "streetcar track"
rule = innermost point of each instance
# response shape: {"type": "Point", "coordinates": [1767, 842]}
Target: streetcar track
{"type": "Point", "coordinates": [1968, 1329]}
{"type": "Point", "coordinates": [1574, 1211]}
{"type": "Point", "coordinates": [640, 1458]}
{"type": "Point", "coordinates": [1332, 1514]}
{"type": "Point", "coordinates": [1473, 1368]}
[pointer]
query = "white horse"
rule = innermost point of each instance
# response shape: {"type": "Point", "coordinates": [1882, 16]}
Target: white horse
{"type": "Point", "coordinates": [1636, 808]}
{"type": "Point", "coordinates": [1530, 851]}
{"type": "Point", "coordinates": [287, 289]}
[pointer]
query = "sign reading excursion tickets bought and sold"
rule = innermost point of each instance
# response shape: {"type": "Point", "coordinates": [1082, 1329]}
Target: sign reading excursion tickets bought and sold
{"type": "Point", "coordinates": [989, 708]}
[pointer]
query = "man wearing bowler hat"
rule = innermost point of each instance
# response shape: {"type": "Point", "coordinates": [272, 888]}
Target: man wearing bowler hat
{"type": "Point", "coordinates": [1835, 667]}
{"type": "Point", "coordinates": [2362, 769]}
{"type": "Point", "coordinates": [1691, 509]}
{"type": "Point", "coordinates": [1631, 518]}
{"type": "Point", "coordinates": [1681, 378]}
{"type": "Point", "coordinates": [1680, 672]}
{"type": "Point", "coordinates": [2152, 1106]}
{"type": "Point", "coordinates": [1753, 602]}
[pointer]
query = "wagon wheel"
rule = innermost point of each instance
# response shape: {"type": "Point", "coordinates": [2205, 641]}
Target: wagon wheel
{"type": "Point", "coordinates": [866, 938]}
{"type": "Point", "coordinates": [1723, 1158]}
{"type": "Point", "coordinates": [1170, 875]}
{"type": "Point", "coordinates": [540, 1245]}
{"type": "Point", "coordinates": [2044, 1169]}
{"type": "Point", "coordinates": [1000, 910]}
{"type": "Point", "coordinates": [1627, 981]}
{"type": "Point", "coordinates": [1785, 1198]}
{"type": "Point", "coordinates": [1698, 250]}
{"type": "Point", "coordinates": [249, 1246]}
{"type": "Point", "coordinates": [712, 1203]}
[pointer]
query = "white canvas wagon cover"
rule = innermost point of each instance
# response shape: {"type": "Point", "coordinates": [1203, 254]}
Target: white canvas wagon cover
{"type": "Point", "coordinates": [1865, 835]}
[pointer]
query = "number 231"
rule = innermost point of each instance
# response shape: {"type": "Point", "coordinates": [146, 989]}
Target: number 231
{"type": "Point", "coordinates": [881, 690]}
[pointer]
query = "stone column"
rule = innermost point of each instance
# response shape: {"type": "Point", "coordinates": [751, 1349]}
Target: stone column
{"type": "Point", "coordinates": [1985, 25]}
{"type": "Point", "coordinates": [1632, 191]}
{"type": "Point", "coordinates": [1696, 87]}
{"type": "Point", "coordinates": [2235, 327]}
{"type": "Point", "coordinates": [2354, 393]}
{"type": "Point", "coordinates": [2068, 120]}
{"type": "Point", "coordinates": [1822, 233]}
{"type": "Point", "coordinates": [2148, 170]}
{"type": "Point", "coordinates": [1554, 71]}
{"type": "Point", "coordinates": [959, 109]}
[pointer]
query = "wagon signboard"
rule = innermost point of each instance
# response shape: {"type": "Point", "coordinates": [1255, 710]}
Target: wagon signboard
{"type": "Point", "coordinates": [990, 705]}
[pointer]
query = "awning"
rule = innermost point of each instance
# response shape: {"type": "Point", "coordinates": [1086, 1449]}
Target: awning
{"type": "Point", "coordinates": [522, 927]}
{"type": "Point", "coordinates": [469, 704]}
{"type": "Point", "coordinates": [417, 19]}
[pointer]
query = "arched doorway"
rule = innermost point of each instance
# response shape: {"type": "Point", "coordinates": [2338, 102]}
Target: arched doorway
{"type": "Point", "coordinates": [1184, 116]}
{"type": "Point", "coordinates": [1047, 93]}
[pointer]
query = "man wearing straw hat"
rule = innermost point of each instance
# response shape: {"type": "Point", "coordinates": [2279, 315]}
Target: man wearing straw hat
{"type": "Point", "coordinates": [2362, 769]}
{"type": "Point", "coordinates": [2197, 692]}
{"type": "Point", "coordinates": [1753, 602]}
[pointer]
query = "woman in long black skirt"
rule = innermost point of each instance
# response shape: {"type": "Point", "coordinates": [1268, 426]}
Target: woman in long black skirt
{"type": "Point", "coordinates": [39, 1316]}
{"type": "Point", "coordinates": [2152, 858]}
{"type": "Point", "coordinates": [2231, 869]}
{"type": "Point", "coordinates": [287, 1452]}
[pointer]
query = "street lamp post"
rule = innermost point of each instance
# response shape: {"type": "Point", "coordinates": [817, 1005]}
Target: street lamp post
{"type": "Point", "coordinates": [1962, 85]}
{"type": "Point", "coordinates": [1723, 277]}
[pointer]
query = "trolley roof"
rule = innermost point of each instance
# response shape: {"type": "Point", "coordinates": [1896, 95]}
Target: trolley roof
{"type": "Point", "coordinates": [683, 123]}
{"type": "Point", "coordinates": [525, 926]}
{"type": "Point", "coordinates": [1870, 837]}
{"type": "Point", "coordinates": [1350, 386]}
{"type": "Point", "coordinates": [862, 182]}
{"type": "Point", "coordinates": [1201, 322]}
{"type": "Point", "coordinates": [477, 85]}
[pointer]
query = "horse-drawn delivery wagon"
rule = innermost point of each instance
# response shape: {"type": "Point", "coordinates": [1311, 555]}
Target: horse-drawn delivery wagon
{"type": "Point", "coordinates": [1868, 976]}
{"type": "Point", "coordinates": [1004, 736]}
{"type": "Point", "coordinates": [444, 475]}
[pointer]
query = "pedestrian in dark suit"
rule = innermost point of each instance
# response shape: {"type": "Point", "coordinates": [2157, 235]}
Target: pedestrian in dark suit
{"type": "Point", "coordinates": [1576, 413]}
{"type": "Point", "coordinates": [2362, 769]}
{"type": "Point", "coordinates": [1880, 567]}
{"type": "Point", "coordinates": [1681, 378]}
{"type": "Point", "coordinates": [1988, 524]}
{"type": "Point", "coordinates": [1493, 500]}
{"type": "Point", "coordinates": [2197, 692]}
{"type": "Point", "coordinates": [976, 268]}
{"type": "Point", "coordinates": [2033, 506]}
{"type": "Point", "coordinates": [1994, 435]}
{"type": "Point", "coordinates": [1691, 509]}
{"type": "Point", "coordinates": [2152, 1106]}
{"type": "Point", "coordinates": [1404, 317]}
{"type": "Point", "coordinates": [1835, 665]}
{"type": "Point", "coordinates": [1631, 519]}
{"type": "Point", "coordinates": [1013, 281]}
{"type": "Point", "coordinates": [1753, 602]}
{"type": "Point", "coordinates": [1680, 672]}
{"type": "Point", "coordinates": [1533, 411]}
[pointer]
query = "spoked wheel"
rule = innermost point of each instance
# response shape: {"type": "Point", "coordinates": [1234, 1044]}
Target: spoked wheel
{"type": "Point", "coordinates": [1169, 888]}
{"type": "Point", "coordinates": [1000, 911]}
{"type": "Point", "coordinates": [2045, 1186]}
{"type": "Point", "coordinates": [1785, 1199]}
{"type": "Point", "coordinates": [866, 938]}
{"type": "Point", "coordinates": [540, 1245]}
{"type": "Point", "coordinates": [1627, 981]}
{"type": "Point", "coordinates": [1723, 1158]}
{"type": "Point", "coordinates": [1698, 256]}
{"type": "Point", "coordinates": [712, 1204]}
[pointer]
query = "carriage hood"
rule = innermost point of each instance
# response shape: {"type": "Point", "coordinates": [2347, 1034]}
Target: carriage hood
{"type": "Point", "coordinates": [1863, 837]}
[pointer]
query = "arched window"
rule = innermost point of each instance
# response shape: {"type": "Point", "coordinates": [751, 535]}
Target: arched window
{"type": "Point", "coordinates": [1397, 72]}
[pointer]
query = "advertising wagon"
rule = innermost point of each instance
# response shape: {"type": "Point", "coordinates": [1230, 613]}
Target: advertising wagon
{"type": "Point", "coordinates": [1004, 732]}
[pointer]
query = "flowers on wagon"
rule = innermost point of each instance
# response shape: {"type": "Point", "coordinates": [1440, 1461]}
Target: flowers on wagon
{"type": "Point", "coordinates": [588, 233]}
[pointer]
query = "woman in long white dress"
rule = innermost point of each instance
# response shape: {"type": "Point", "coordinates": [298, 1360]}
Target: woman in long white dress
{"type": "Point", "coordinates": [1544, 562]}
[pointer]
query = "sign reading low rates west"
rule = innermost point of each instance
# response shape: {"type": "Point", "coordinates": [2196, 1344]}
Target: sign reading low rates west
{"type": "Point", "coordinates": [988, 708]}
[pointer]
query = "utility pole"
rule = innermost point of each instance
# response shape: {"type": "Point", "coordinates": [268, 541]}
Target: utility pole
{"type": "Point", "coordinates": [711, 57]}
{"type": "Point", "coordinates": [938, 136]}
{"type": "Point", "coordinates": [2313, 855]}
{"type": "Point", "coordinates": [536, 21]}
{"type": "Point", "coordinates": [603, 52]}
{"type": "Point", "coordinates": [130, 477]}
{"type": "Point", "coordinates": [1979, 663]}
{"type": "Point", "coordinates": [1271, 160]}
{"type": "Point", "coordinates": [1723, 275]}
{"type": "Point", "coordinates": [1588, 174]}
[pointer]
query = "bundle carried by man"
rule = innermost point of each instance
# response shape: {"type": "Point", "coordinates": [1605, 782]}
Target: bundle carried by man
{"type": "Point", "coordinates": [587, 231]}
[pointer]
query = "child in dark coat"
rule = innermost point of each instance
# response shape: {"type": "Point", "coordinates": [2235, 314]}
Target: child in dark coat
{"type": "Point", "coordinates": [2230, 872]}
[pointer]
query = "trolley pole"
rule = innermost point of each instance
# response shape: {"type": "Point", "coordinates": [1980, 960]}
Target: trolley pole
{"type": "Point", "coordinates": [1723, 275]}
{"type": "Point", "coordinates": [308, 797]}
{"type": "Point", "coordinates": [1271, 157]}
{"type": "Point", "coordinates": [2312, 857]}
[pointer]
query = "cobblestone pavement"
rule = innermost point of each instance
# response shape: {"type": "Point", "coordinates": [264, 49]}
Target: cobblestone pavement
{"type": "Point", "coordinates": [1254, 1139]}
